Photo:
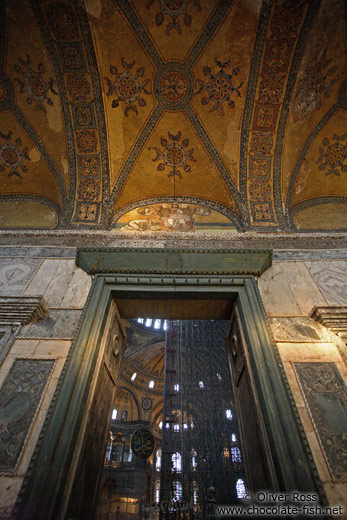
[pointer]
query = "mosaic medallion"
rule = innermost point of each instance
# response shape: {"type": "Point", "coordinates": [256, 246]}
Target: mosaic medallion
{"type": "Point", "coordinates": [33, 83]}
{"type": "Point", "coordinates": [12, 156]}
{"type": "Point", "coordinates": [63, 22]}
{"type": "Point", "coordinates": [260, 190]}
{"type": "Point", "coordinates": [261, 143]}
{"type": "Point", "coordinates": [86, 141]}
{"type": "Point", "coordinates": [174, 155]}
{"type": "Point", "coordinates": [333, 156]}
{"type": "Point", "coordinates": [173, 9]}
{"type": "Point", "coordinates": [78, 87]}
{"type": "Point", "coordinates": [271, 88]}
{"type": "Point", "coordinates": [89, 189]}
{"type": "Point", "coordinates": [173, 86]}
{"type": "Point", "coordinates": [219, 87]}
{"type": "Point", "coordinates": [127, 87]}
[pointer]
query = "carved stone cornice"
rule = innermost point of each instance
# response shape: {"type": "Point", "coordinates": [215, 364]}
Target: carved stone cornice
{"type": "Point", "coordinates": [334, 317]}
{"type": "Point", "coordinates": [112, 238]}
{"type": "Point", "coordinates": [21, 309]}
{"type": "Point", "coordinates": [175, 261]}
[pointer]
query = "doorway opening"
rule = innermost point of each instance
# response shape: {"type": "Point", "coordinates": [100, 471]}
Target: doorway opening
{"type": "Point", "coordinates": [176, 388]}
{"type": "Point", "coordinates": [187, 285]}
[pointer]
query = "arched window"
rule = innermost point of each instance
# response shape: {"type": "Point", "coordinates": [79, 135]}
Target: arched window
{"type": "Point", "coordinates": [177, 462]}
{"type": "Point", "coordinates": [158, 460]}
{"type": "Point", "coordinates": [177, 490]}
{"type": "Point", "coordinates": [124, 415]}
{"type": "Point", "coordinates": [194, 463]}
{"type": "Point", "coordinates": [235, 454]}
{"type": "Point", "coordinates": [157, 492]}
{"type": "Point", "coordinates": [195, 492]}
{"type": "Point", "coordinates": [240, 488]}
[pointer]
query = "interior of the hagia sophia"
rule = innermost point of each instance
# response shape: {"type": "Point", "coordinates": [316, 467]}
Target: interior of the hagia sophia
{"type": "Point", "coordinates": [112, 111]}
{"type": "Point", "coordinates": [205, 142]}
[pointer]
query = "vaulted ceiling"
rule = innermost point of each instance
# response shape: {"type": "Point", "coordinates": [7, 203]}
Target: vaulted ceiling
{"type": "Point", "coordinates": [173, 115]}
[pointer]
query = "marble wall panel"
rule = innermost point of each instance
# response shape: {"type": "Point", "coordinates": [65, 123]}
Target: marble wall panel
{"type": "Point", "coordinates": [20, 396]}
{"type": "Point", "coordinates": [326, 397]}
{"type": "Point", "coordinates": [331, 278]}
{"type": "Point", "coordinates": [59, 324]}
{"type": "Point", "coordinates": [276, 293]}
{"type": "Point", "coordinates": [59, 284]}
{"type": "Point", "coordinates": [15, 274]}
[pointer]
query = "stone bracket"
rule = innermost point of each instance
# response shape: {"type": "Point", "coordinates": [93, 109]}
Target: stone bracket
{"type": "Point", "coordinates": [21, 309]}
{"type": "Point", "coordinates": [333, 317]}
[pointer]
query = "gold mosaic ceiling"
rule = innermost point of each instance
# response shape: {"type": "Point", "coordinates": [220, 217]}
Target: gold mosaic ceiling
{"type": "Point", "coordinates": [173, 115]}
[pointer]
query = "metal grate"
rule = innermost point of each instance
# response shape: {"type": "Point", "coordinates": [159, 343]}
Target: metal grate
{"type": "Point", "coordinates": [200, 443]}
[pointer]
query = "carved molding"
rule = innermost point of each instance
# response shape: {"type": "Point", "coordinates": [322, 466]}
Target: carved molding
{"type": "Point", "coordinates": [21, 309]}
{"type": "Point", "coordinates": [334, 317]}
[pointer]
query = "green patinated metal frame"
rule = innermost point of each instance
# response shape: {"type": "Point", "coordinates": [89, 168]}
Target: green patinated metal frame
{"type": "Point", "coordinates": [170, 274]}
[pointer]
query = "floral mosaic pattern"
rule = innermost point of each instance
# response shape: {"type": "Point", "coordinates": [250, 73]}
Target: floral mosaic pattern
{"type": "Point", "coordinates": [333, 155]}
{"type": "Point", "coordinates": [127, 87]}
{"type": "Point", "coordinates": [89, 190]}
{"type": "Point", "coordinates": [220, 87]}
{"type": "Point", "coordinates": [12, 155]}
{"type": "Point", "coordinates": [317, 81]}
{"type": "Point", "coordinates": [174, 155]}
{"type": "Point", "coordinates": [78, 87]}
{"type": "Point", "coordinates": [174, 9]}
{"type": "Point", "coordinates": [87, 212]}
{"type": "Point", "coordinates": [33, 83]}
{"type": "Point", "coordinates": [173, 86]}
{"type": "Point", "coordinates": [62, 21]}
{"type": "Point", "coordinates": [271, 88]}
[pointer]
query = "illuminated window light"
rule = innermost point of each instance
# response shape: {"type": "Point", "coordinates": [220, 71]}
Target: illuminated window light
{"type": "Point", "coordinates": [114, 414]}
{"type": "Point", "coordinates": [176, 427]}
{"type": "Point", "coordinates": [176, 387]}
{"type": "Point", "coordinates": [228, 414]}
{"type": "Point", "coordinates": [140, 320]}
{"type": "Point", "coordinates": [240, 488]}
{"type": "Point", "coordinates": [219, 377]}
{"type": "Point", "coordinates": [151, 384]}
{"type": "Point", "coordinates": [177, 490]}
{"type": "Point", "coordinates": [201, 384]}
{"type": "Point", "coordinates": [133, 377]}
{"type": "Point", "coordinates": [157, 491]}
{"type": "Point", "coordinates": [235, 454]}
{"type": "Point", "coordinates": [158, 460]}
{"type": "Point", "coordinates": [194, 463]}
{"type": "Point", "coordinates": [157, 324]}
{"type": "Point", "coordinates": [233, 437]}
{"type": "Point", "coordinates": [160, 425]}
{"type": "Point", "coordinates": [177, 462]}
{"type": "Point", "coordinates": [195, 493]}
{"type": "Point", "coordinates": [165, 325]}
{"type": "Point", "coordinates": [185, 426]}
{"type": "Point", "coordinates": [148, 322]}
{"type": "Point", "coordinates": [167, 425]}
